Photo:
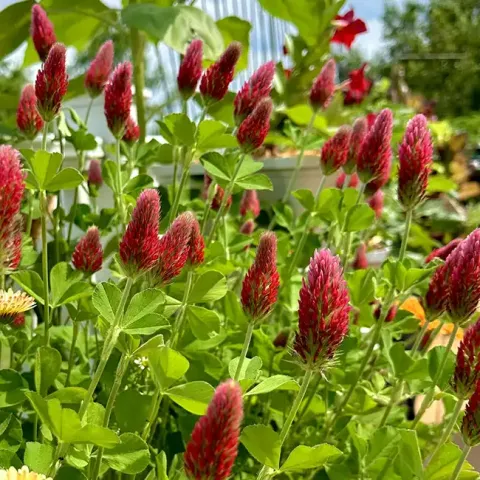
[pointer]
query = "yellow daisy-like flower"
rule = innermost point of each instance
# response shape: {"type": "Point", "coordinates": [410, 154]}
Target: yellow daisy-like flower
{"type": "Point", "coordinates": [22, 474]}
{"type": "Point", "coordinates": [12, 303]}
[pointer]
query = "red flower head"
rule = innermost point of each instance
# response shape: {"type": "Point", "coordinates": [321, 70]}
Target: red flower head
{"type": "Point", "coordinates": [88, 254]}
{"type": "Point", "coordinates": [376, 184]}
{"type": "Point", "coordinates": [29, 121]}
{"type": "Point", "coordinates": [10, 243]}
{"type": "Point", "coordinates": [335, 151]}
{"type": "Point", "coordinates": [215, 81]}
{"type": "Point", "coordinates": [415, 159]}
{"type": "Point", "coordinates": [323, 310]}
{"type": "Point", "coordinates": [436, 296]}
{"type": "Point", "coordinates": [347, 28]}
{"type": "Point", "coordinates": [218, 198]}
{"type": "Point", "coordinates": [375, 153]}
{"type": "Point", "coordinates": [190, 70]}
{"type": "Point", "coordinates": [281, 340]}
{"type": "Point", "coordinates": [371, 117]}
{"type": "Point", "coordinates": [359, 86]}
{"type": "Point", "coordinates": [213, 446]}
{"type": "Point", "coordinates": [12, 184]}
{"type": "Point", "coordinates": [97, 74]}
{"type": "Point", "coordinates": [361, 261]}
{"type": "Point", "coordinates": [467, 368]}
{"type": "Point", "coordinates": [250, 203]}
{"type": "Point", "coordinates": [261, 283]}
{"type": "Point", "coordinates": [118, 99]}
{"type": "Point", "coordinates": [376, 203]}
{"type": "Point", "coordinates": [95, 173]}
{"type": "Point", "coordinates": [323, 86]}
{"type": "Point", "coordinates": [463, 270]}
{"type": "Point", "coordinates": [288, 73]}
{"type": "Point", "coordinates": [18, 321]}
{"type": "Point", "coordinates": [254, 129]}
{"type": "Point", "coordinates": [174, 250]}
{"type": "Point", "coordinates": [197, 245]}
{"type": "Point", "coordinates": [359, 132]}
{"type": "Point", "coordinates": [255, 89]}
{"type": "Point", "coordinates": [52, 83]}
{"type": "Point", "coordinates": [41, 30]}
{"type": "Point", "coordinates": [391, 314]}
{"type": "Point", "coordinates": [132, 132]}
{"type": "Point", "coordinates": [140, 245]}
{"type": "Point", "coordinates": [248, 227]}
{"type": "Point", "coordinates": [471, 420]}
{"type": "Point", "coordinates": [352, 183]}
{"type": "Point", "coordinates": [445, 251]}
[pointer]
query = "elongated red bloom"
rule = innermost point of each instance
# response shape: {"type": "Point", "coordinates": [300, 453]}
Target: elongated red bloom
{"type": "Point", "coordinates": [335, 151]}
{"type": "Point", "coordinates": [375, 153]}
{"type": "Point", "coordinates": [95, 173]}
{"type": "Point", "coordinates": [250, 204]}
{"type": "Point", "coordinates": [254, 129]}
{"type": "Point", "coordinates": [445, 251]}
{"type": "Point", "coordinates": [348, 27]}
{"type": "Point", "coordinates": [471, 420]}
{"type": "Point", "coordinates": [52, 83]}
{"type": "Point", "coordinates": [248, 227]}
{"type": "Point", "coordinates": [323, 310]}
{"type": "Point", "coordinates": [255, 89]}
{"type": "Point", "coordinates": [437, 293]}
{"type": "Point", "coordinates": [261, 283]}
{"type": "Point", "coordinates": [323, 86]}
{"type": "Point", "coordinates": [353, 180]}
{"type": "Point", "coordinates": [376, 203]}
{"type": "Point", "coordinates": [213, 446]}
{"type": "Point", "coordinates": [10, 243]}
{"type": "Point", "coordinates": [132, 132]}
{"type": "Point", "coordinates": [97, 74]}
{"type": "Point", "coordinates": [359, 132]}
{"type": "Point", "coordinates": [361, 261]}
{"type": "Point", "coordinates": [118, 99]}
{"type": "Point", "coordinates": [88, 254]}
{"type": "Point", "coordinates": [29, 121]}
{"type": "Point", "coordinates": [196, 253]}
{"type": "Point", "coordinates": [41, 31]}
{"type": "Point", "coordinates": [371, 117]}
{"type": "Point", "coordinates": [415, 160]}
{"type": "Point", "coordinates": [391, 314]}
{"type": "Point", "coordinates": [373, 186]}
{"type": "Point", "coordinates": [140, 245]}
{"type": "Point", "coordinates": [467, 367]}
{"type": "Point", "coordinates": [12, 184]}
{"type": "Point", "coordinates": [463, 269]}
{"type": "Point", "coordinates": [358, 88]}
{"type": "Point", "coordinates": [190, 69]}
{"type": "Point", "coordinates": [215, 81]}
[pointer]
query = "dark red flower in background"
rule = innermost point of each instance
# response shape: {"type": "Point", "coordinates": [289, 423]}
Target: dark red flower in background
{"type": "Point", "coordinates": [218, 198]}
{"type": "Point", "coordinates": [132, 131]}
{"type": "Point", "coordinates": [41, 31]}
{"type": "Point", "coordinates": [391, 314]}
{"type": "Point", "coordinates": [335, 150]}
{"type": "Point", "coordinates": [196, 253]}
{"type": "Point", "coordinates": [361, 261]}
{"type": "Point", "coordinates": [18, 321]}
{"type": "Point", "coordinates": [88, 254]}
{"type": "Point", "coordinates": [248, 227]}
{"type": "Point", "coordinates": [323, 86]}
{"type": "Point", "coordinates": [353, 180]}
{"type": "Point", "coordinates": [250, 204]}
{"type": "Point", "coordinates": [29, 121]}
{"type": "Point", "coordinates": [254, 129]}
{"type": "Point", "coordinates": [347, 28]}
{"type": "Point", "coordinates": [358, 87]}
{"type": "Point", "coordinates": [471, 420]}
{"type": "Point", "coordinates": [376, 203]}
{"type": "Point", "coordinates": [445, 251]}
{"type": "Point", "coordinates": [190, 70]}
{"type": "Point", "coordinates": [359, 132]}
{"type": "Point", "coordinates": [52, 83]}
{"type": "Point", "coordinates": [213, 446]}
{"type": "Point", "coordinates": [97, 74]}
{"type": "Point", "coordinates": [95, 173]}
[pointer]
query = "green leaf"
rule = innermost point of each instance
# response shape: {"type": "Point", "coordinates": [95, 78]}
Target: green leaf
{"type": "Point", "coordinates": [435, 358]}
{"type": "Point", "coordinates": [413, 276]}
{"type": "Point", "coordinates": [12, 388]}
{"type": "Point", "coordinates": [328, 205]}
{"type": "Point", "coordinates": [218, 166]}
{"type": "Point", "coordinates": [67, 285]}
{"type": "Point", "coordinates": [18, 14]}
{"type": "Point", "coordinates": [31, 282]}
{"type": "Point", "coordinates": [440, 184]}
{"type": "Point", "coordinates": [306, 198]}
{"type": "Point", "coordinates": [178, 129]}
{"type": "Point", "coordinates": [257, 181]}
{"type": "Point", "coordinates": [147, 325]}
{"type": "Point", "coordinates": [69, 473]}
{"type": "Point", "coordinates": [359, 218]}
{"type": "Point", "coordinates": [361, 286]}
{"type": "Point", "coordinates": [209, 287]}
{"type": "Point", "coordinates": [443, 464]}
{"type": "Point", "coordinates": [203, 321]}
{"type": "Point", "coordinates": [302, 114]}
{"type": "Point", "coordinates": [193, 397]}
{"type": "Point", "coordinates": [275, 382]}
{"type": "Point", "coordinates": [137, 184]}
{"type": "Point", "coordinates": [131, 456]}
{"type": "Point", "coordinates": [409, 448]}
{"type": "Point", "coordinates": [211, 135]}
{"type": "Point", "coordinates": [234, 28]}
{"type": "Point", "coordinates": [142, 304]}
{"type": "Point", "coordinates": [130, 401]}
{"type": "Point", "coordinates": [304, 457]}
{"type": "Point", "coordinates": [151, 344]}
{"type": "Point", "coordinates": [167, 366]}
{"type": "Point", "coordinates": [106, 298]}
{"type": "Point", "coordinates": [11, 434]}
{"type": "Point", "coordinates": [48, 363]}
{"type": "Point", "coordinates": [69, 395]}
{"type": "Point", "coordinates": [109, 173]}
{"type": "Point", "coordinates": [263, 444]}
{"type": "Point", "coordinates": [81, 139]}
{"type": "Point", "coordinates": [250, 368]}
{"type": "Point", "coordinates": [38, 457]}
{"type": "Point", "coordinates": [66, 179]}
{"type": "Point", "coordinates": [45, 166]}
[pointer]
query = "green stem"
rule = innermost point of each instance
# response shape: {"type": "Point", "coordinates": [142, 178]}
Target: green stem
{"type": "Point", "coordinates": [183, 182]}
{"type": "Point", "coordinates": [310, 398]}
{"type": "Point", "coordinates": [461, 461]}
{"type": "Point", "coordinates": [155, 406]}
{"type": "Point", "coordinates": [418, 339]}
{"type": "Point", "coordinates": [44, 137]}
{"type": "Point", "coordinates": [137, 41]}
{"type": "Point", "coordinates": [243, 354]}
{"type": "Point", "coordinates": [81, 166]}
{"type": "Point", "coordinates": [429, 396]}
{"type": "Point", "coordinates": [291, 416]}
{"type": "Point", "coordinates": [71, 357]}
{"type": "Point", "coordinates": [28, 224]}
{"type": "Point", "coordinates": [2, 281]}
{"type": "Point", "coordinates": [46, 293]}
{"type": "Point", "coordinates": [433, 335]}
{"type": "Point", "coordinates": [408, 224]}
{"type": "Point", "coordinates": [175, 173]}
{"type": "Point", "coordinates": [89, 109]}
{"type": "Point", "coordinates": [121, 207]}
{"type": "Point", "coordinates": [396, 392]}
{"type": "Point", "coordinates": [177, 328]}
{"type": "Point", "coordinates": [225, 239]}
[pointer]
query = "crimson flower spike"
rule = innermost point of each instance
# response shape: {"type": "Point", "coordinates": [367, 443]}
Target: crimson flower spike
{"type": "Point", "coordinates": [95, 173]}
{"type": "Point", "coordinates": [88, 254]}
{"type": "Point", "coordinates": [352, 183]}
{"type": "Point", "coordinates": [215, 81]}
{"type": "Point", "coordinates": [213, 446]}
{"type": "Point", "coordinates": [248, 227]}
{"type": "Point", "coordinates": [323, 86]}
{"type": "Point", "coordinates": [132, 132]}
{"type": "Point", "coordinates": [335, 151]}
{"type": "Point", "coordinates": [415, 160]}
{"type": "Point", "coordinates": [261, 283]}
{"type": "Point", "coordinates": [359, 132]}
{"type": "Point", "coordinates": [463, 270]}
{"type": "Point", "coordinates": [250, 204]}
{"type": "Point", "coordinates": [373, 186]}
{"type": "Point", "coordinates": [190, 70]}
{"type": "Point", "coordinates": [196, 250]}
{"type": "Point", "coordinates": [471, 420]}
{"type": "Point", "coordinates": [97, 74]}
{"type": "Point", "coordinates": [361, 261]}
{"type": "Point", "coordinates": [140, 245]}
{"type": "Point", "coordinates": [12, 184]}
{"type": "Point", "coordinates": [445, 251]}
{"type": "Point", "coordinates": [29, 121]}
{"type": "Point", "coordinates": [41, 31]}
{"type": "Point", "coordinates": [51, 83]}
{"type": "Point", "coordinates": [376, 203]}
{"type": "Point", "coordinates": [323, 310]}
{"type": "Point", "coordinates": [255, 89]}
{"type": "Point", "coordinates": [437, 295]}
{"type": "Point", "coordinates": [254, 129]}
{"type": "Point", "coordinates": [11, 243]}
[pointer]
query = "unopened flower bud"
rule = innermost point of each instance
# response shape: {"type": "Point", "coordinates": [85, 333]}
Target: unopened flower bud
{"type": "Point", "coordinates": [323, 86]}
{"type": "Point", "coordinates": [254, 129]}
{"type": "Point", "coordinates": [41, 31]}
{"type": "Point", "coordinates": [88, 254]}
{"type": "Point", "coordinates": [97, 74]}
{"type": "Point", "coordinates": [190, 69]}
{"type": "Point", "coordinates": [29, 121]}
{"type": "Point", "coordinates": [335, 151]}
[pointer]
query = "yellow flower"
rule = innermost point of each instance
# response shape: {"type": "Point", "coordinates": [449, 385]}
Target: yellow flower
{"type": "Point", "coordinates": [13, 303]}
{"type": "Point", "coordinates": [22, 474]}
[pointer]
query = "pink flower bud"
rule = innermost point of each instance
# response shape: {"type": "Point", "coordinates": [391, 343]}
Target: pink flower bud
{"type": "Point", "coordinates": [248, 227]}
{"type": "Point", "coordinates": [41, 31]}
{"type": "Point", "coordinates": [376, 203]}
{"type": "Point", "coordinates": [196, 254]}
{"type": "Point", "coordinates": [52, 83]}
{"type": "Point", "coordinates": [250, 203]}
{"type": "Point", "coordinates": [97, 74]}
{"type": "Point", "coordinates": [352, 183]}
{"type": "Point", "coordinates": [132, 132]}
{"type": "Point", "coordinates": [12, 184]}
{"type": "Point", "coordinates": [218, 198]}
{"type": "Point", "coordinates": [415, 159]}
{"type": "Point", "coordinates": [95, 173]}
{"type": "Point", "coordinates": [445, 251]}
{"type": "Point", "coordinates": [190, 69]}
{"type": "Point", "coordinates": [361, 261]}
{"type": "Point", "coordinates": [323, 86]}
{"type": "Point", "coordinates": [359, 132]}
{"type": "Point", "coordinates": [335, 151]}
{"type": "Point", "coordinates": [471, 420]}
{"type": "Point", "coordinates": [29, 121]}
{"type": "Point", "coordinates": [254, 129]}
{"type": "Point", "coordinates": [213, 446]}
{"type": "Point", "coordinates": [323, 310]}
{"type": "Point", "coordinates": [88, 254]}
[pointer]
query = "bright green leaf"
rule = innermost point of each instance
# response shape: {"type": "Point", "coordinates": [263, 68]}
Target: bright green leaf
{"type": "Point", "coordinates": [48, 362]}
{"type": "Point", "coordinates": [131, 456]}
{"type": "Point", "coordinates": [209, 287]}
{"type": "Point", "coordinates": [167, 366]}
{"type": "Point", "coordinates": [106, 299]}
{"type": "Point", "coordinates": [31, 282]}
{"type": "Point", "coordinates": [193, 397]}
{"type": "Point", "coordinates": [38, 457]}
{"type": "Point", "coordinates": [203, 321]}
{"type": "Point", "coordinates": [263, 444]}
{"type": "Point", "coordinates": [303, 457]}
{"type": "Point", "coordinates": [142, 304]}
{"type": "Point", "coordinates": [276, 382]}
{"type": "Point", "coordinates": [359, 218]}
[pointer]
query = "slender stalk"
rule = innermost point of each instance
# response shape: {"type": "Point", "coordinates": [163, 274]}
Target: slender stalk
{"type": "Point", "coordinates": [175, 173]}
{"type": "Point", "coordinates": [433, 335]}
{"type": "Point", "coordinates": [71, 357]}
{"type": "Point", "coordinates": [429, 396]}
{"type": "Point", "coordinates": [461, 461]}
{"type": "Point", "coordinates": [291, 416]}
{"type": "Point", "coordinates": [418, 339]}
{"type": "Point", "coordinates": [28, 223]}
{"type": "Point", "coordinates": [183, 182]}
{"type": "Point", "coordinates": [2, 281]}
{"type": "Point", "coordinates": [156, 400]}
{"type": "Point", "coordinates": [44, 136]}
{"type": "Point", "coordinates": [243, 354]}
{"type": "Point", "coordinates": [89, 109]}
{"type": "Point", "coordinates": [310, 398]}
{"type": "Point", "coordinates": [81, 166]}
{"type": "Point", "coordinates": [121, 207]}
{"type": "Point", "coordinates": [137, 42]}
{"type": "Point", "coordinates": [46, 291]}
{"type": "Point", "coordinates": [225, 238]}
{"type": "Point", "coordinates": [408, 224]}
{"type": "Point", "coordinates": [178, 327]}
